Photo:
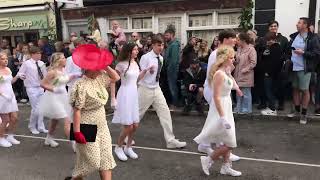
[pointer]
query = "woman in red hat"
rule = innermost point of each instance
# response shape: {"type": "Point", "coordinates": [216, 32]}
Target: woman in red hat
{"type": "Point", "coordinates": [88, 98]}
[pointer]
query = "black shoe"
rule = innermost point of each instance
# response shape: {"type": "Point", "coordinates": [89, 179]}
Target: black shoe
{"type": "Point", "coordinates": [261, 106]}
{"type": "Point", "coordinates": [186, 110]}
{"type": "Point", "coordinates": [68, 178]}
{"type": "Point", "coordinates": [317, 112]}
{"type": "Point", "coordinates": [280, 108]}
{"type": "Point", "coordinates": [199, 108]}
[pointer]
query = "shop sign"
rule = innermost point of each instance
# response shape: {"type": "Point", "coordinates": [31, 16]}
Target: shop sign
{"type": "Point", "coordinates": [11, 3]}
{"type": "Point", "coordinates": [23, 23]}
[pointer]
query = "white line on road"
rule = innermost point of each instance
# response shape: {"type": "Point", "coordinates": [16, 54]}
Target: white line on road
{"type": "Point", "coordinates": [193, 153]}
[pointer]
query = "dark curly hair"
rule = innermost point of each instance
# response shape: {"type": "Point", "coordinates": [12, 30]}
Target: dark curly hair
{"type": "Point", "coordinates": [125, 54]}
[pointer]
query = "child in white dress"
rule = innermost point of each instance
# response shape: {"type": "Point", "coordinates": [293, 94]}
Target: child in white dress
{"type": "Point", "coordinates": [54, 104]}
{"type": "Point", "coordinates": [8, 104]}
{"type": "Point", "coordinates": [127, 108]}
{"type": "Point", "coordinates": [219, 126]}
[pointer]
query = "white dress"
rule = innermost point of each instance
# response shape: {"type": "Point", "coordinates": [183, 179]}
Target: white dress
{"type": "Point", "coordinates": [8, 102]}
{"type": "Point", "coordinates": [213, 130]}
{"type": "Point", "coordinates": [56, 105]}
{"type": "Point", "coordinates": [127, 108]}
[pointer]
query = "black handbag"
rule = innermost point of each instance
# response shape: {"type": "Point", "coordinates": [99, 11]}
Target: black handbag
{"type": "Point", "coordinates": [88, 130]}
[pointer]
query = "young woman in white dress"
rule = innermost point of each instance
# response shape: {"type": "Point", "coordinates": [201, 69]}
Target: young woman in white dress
{"type": "Point", "coordinates": [127, 107]}
{"type": "Point", "coordinates": [54, 104]}
{"type": "Point", "coordinates": [8, 104]}
{"type": "Point", "coordinates": [219, 127]}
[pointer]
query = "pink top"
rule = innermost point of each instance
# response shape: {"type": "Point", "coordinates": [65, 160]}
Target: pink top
{"type": "Point", "coordinates": [121, 36]}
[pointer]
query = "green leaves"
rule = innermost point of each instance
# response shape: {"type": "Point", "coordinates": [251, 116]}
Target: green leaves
{"type": "Point", "coordinates": [246, 17]}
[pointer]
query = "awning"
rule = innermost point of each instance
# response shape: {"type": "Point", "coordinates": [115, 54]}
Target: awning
{"type": "Point", "coordinates": [24, 9]}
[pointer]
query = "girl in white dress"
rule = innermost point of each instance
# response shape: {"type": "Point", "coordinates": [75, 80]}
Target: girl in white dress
{"type": "Point", "coordinates": [8, 104]}
{"type": "Point", "coordinates": [54, 104]}
{"type": "Point", "coordinates": [127, 108]}
{"type": "Point", "coordinates": [219, 127]}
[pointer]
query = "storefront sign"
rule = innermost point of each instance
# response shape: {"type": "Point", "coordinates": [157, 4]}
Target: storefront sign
{"type": "Point", "coordinates": [23, 23]}
{"type": "Point", "coordinates": [10, 3]}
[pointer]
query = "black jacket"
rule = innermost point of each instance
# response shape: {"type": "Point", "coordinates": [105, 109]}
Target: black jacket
{"type": "Point", "coordinates": [188, 54]}
{"type": "Point", "coordinates": [197, 78]}
{"type": "Point", "coordinates": [311, 51]}
{"type": "Point", "coordinates": [271, 60]}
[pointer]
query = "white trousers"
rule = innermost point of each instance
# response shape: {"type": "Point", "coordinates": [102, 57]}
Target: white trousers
{"type": "Point", "coordinates": [36, 119]}
{"type": "Point", "coordinates": [154, 97]}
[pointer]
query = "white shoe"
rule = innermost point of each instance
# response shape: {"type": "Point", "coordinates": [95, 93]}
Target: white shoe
{"type": "Point", "coordinates": [50, 142]}
{"type": "Point", "coordinates": [34, 131]}
{"type": "Point", "coordinates": [12, 140]}
{"type": "Point", "coordinates": [227, 170]}
{"type": "Point", "coordinates": [73, 145]}
{"type": "Point", "coordinates": [303, 119]}
{"type": "Point", "coordinates": [126, 141]}
{"type": "Point", "coordinates": [5, 143]}
{"type": "Point", "coordinates": [206, 164]}
{"type": "Point", "coordinates": [120, 154]}
{"type": "Point", "coordinates": [43, 130]}
{"type": "Point", "coordinates": [23, 101]}
{"type": "Point", "coordinates": [205, 149]}
{"type": "Point", "coordinates": [129, 152]}
{"type": "Point", "coordinates": [234, 158]}
{"type": "Point", "coordinates": [268, 112]}
{"type": "Point", "coordinates": [173, 144]}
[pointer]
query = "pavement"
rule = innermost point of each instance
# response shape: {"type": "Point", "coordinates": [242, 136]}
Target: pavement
{"type": "Point", "coordinates": [271, 148]}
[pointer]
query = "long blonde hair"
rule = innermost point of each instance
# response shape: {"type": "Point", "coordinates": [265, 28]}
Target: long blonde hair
{"type": "Point", "coordinates": [203, 52]}
{"type": "Point", "coordinates": [223, 55]}
{"type": "Point", "coordinates": [55, 60]}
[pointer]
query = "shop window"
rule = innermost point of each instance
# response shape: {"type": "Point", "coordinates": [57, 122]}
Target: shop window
{"type": "Point", "coordinates": [165, 22]}
{"type": "Point", "coordinates": [142, 23]}
{"type": "Point", "coordinates": [123, 22]}
{"type": "Point", "coordinates": [80, 29]}
{"type": "Point", "coordinates": [228, 18]}
{"type": "Point", "coordinates": [199, 20]}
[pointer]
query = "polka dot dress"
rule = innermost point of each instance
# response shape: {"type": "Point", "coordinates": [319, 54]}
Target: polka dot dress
{"type": "Point", "coordinates": [90, 96]}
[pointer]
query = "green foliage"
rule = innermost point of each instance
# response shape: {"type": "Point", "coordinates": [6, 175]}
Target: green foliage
{"type": "Point", "coordinates": [246, 16]}
{"type": "Point", "coordinates": [91, 19]}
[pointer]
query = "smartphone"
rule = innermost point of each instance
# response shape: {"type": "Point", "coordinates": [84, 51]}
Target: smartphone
{"type": "Point", "coordinates": [293, 48]}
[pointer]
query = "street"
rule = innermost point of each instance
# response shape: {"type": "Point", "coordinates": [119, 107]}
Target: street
{"type": "Point", "coordinates": [271, 149]}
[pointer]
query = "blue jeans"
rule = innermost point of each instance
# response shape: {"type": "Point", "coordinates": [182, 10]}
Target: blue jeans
{"type": "Point", "coordinates": [173, 87]}
{"type": "Point", "coordinates": [244, 103]}
{"type": "Point", "coordinates": [269, 85]}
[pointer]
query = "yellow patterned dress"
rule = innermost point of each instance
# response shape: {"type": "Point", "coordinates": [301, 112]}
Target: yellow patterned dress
{"type": "Point", "coordinates": [90, 96]}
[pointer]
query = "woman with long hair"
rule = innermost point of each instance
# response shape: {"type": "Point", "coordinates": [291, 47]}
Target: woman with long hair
{"type": "Point", "coordinates": [95, 32]}
{"type": "Point", "coordinates": [204, 52]}
{"type": "Point", "coordinates": [220, 127]}
{"type": "Point", "coordinates": [127, 108]}
{"type": "Point", "coordinates": [8, 104]}
{"type": "Point", "coordinates": [54, 103]}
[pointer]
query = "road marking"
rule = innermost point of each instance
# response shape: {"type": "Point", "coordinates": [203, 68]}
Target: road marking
{"type": "Point", "coordinates": [191, 153]}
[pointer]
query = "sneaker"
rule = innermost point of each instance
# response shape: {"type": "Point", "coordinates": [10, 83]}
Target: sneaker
{"type": "Point", "coordinates": [227, 170]}
{"type": "Point", "coordinates": [126, 141]}
{"type": "Point", "coordinates": [173, 144]}
{"type": "Point", "coordinates": [120, 154]}
{"type": "Point", "coordinates": [293, 114]}
{"type": "Point", "coordinates": [4, 143]}
{"type": "Point", "coordinates": [129, 152]}
{"type": "Point", "coordinates": [234, 157]}
{"type": "Point", "coordinates": [34, 131]}
{"type": "Point", "coordinates": [303, 119]}
{"type": "Point", "coordinates": [269, 112]}
{"type": "Point", "coordinates": [206, 163]}
{"type": "Point", "coordinates": [23, 100]}
{"type": "Point", "coordinates": [50, 142]}
{"type": "Point", "coordinates": [317, 112]}
{"type": "Point", "coordinates": [43, 130]}
{"type": "Point", "coordinates": [12, 140]}
{"type": "Point", "coordinates": [205, 149]}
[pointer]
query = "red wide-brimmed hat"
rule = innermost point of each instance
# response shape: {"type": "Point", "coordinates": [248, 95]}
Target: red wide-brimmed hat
{"type": "Point", "coordinates": [89, 57]}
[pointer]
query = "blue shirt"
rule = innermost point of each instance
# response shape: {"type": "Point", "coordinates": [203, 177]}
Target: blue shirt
{"type": "Point", "coordinates": [297, 60]}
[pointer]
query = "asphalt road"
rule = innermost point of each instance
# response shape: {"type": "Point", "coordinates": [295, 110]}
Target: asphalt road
{"type": "Point", "coordinates": [272, 149]}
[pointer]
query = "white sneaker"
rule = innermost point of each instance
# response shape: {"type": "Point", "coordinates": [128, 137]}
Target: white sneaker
{"type": "Point", "coordinates": [12, 140]}
{"type": "Point", "coordinates": [120, 154]}
{"type": "Point", "coordinates": [303, 119]}
{"type": "Point", "coordinates": [34, 131]}
{"type": "Point", "coordinates": [234, 158]}
{"type": "Point", "coordinates": [173, 144]}
{"type": "Point", "coordinates": [129, 152]}
{"type": "Point", "coordinates": [23, 101]}
{"type": "Point", "coordinates": [50, 142]}
{"type": "Point", "coordinates": [73, 145]}
{"type": "Point", "coordinates": [268, 112]}
{"type": "Point", "coordinates": [5, 143]}
{"type": "Point", "coordinates": [206, 164]}
{"type": "Point", "coordinates": [227, 170]}
{"type": "Point", "coordinates": [126, 141]}
{"type": "Point", "coordinates": [43, 130]}
{"type": "Point", "coordinates": [205, 149]}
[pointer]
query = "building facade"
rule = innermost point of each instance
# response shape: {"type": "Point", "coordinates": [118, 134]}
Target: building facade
{"type": "Point", "coordinates": [27, 20]}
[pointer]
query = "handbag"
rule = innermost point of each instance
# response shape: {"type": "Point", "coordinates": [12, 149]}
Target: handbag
{"type": "Point", "coordinates": [88, 130]}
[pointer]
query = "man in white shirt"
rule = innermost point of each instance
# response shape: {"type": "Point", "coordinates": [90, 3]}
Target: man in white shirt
{"type": "Point", "coordinates": [226, 38]}
{"type": "Point", "coordinates": [32, 72]}
{"type": "Point", "coordinates": [150, 92]}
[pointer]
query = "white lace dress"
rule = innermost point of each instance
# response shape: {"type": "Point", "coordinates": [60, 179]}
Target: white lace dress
{"type": "Point", "coordinates": [8, 102]}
